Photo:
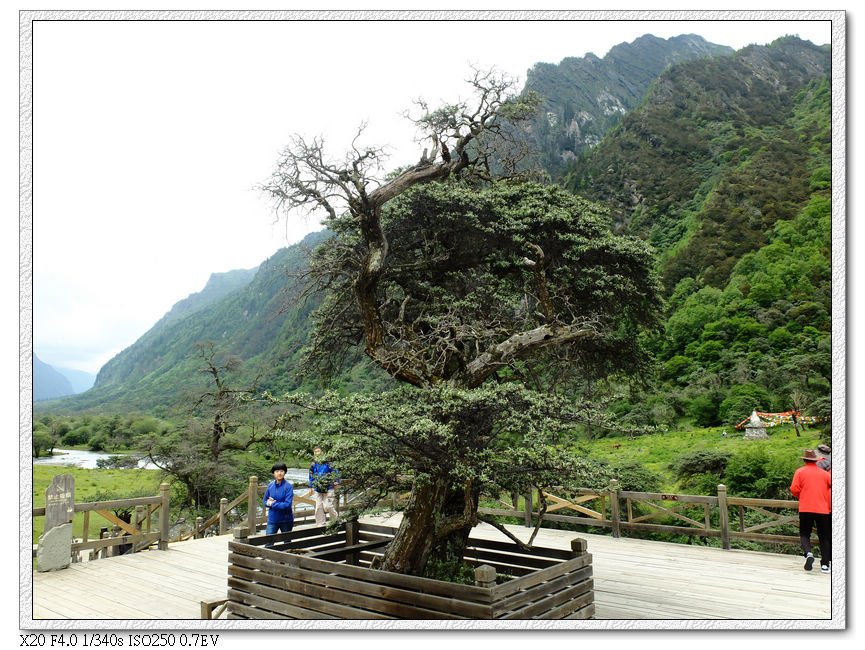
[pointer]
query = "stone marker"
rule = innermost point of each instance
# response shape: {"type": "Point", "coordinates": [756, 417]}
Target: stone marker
{"type": "Point", "coordinates": [55, 549]}
{"type": "Point", "coordinates": [55, 543]}
{"type": "Point", "coordinates": [755, 429]}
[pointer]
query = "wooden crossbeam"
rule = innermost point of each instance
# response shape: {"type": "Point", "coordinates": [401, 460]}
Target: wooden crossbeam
{"type": "Point", "coordinates": [560, 504]}
{"type": "Point", "coordinates": [770, 524]}
{"type": "Point", "coordinates": [669, 511]}
{"type": "Point", "coordinates": [117, 521]}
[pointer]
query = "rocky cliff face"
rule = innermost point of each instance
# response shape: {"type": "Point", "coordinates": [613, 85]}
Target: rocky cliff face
{"type": "Point", "coordinates": [585, 97]}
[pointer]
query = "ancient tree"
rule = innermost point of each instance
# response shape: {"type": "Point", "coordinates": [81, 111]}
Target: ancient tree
{"type": "Point", "coordinates": [463, 279]}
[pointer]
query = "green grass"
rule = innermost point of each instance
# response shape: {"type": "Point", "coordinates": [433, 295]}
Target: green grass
{"type": "Point", "coordinates": [92, 485]}
{"type": "Point", "coordinates": [657, 451]}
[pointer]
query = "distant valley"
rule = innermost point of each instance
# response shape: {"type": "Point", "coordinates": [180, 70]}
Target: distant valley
{"type": "Point", "coordinates": [50, 382]}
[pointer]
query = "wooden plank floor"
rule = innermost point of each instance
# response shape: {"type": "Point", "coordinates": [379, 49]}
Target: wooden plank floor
{"type": "Point", "coordinates": [634, 579]}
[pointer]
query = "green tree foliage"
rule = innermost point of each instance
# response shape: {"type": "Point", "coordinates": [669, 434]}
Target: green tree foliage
{"type": "Point", "coordinates": [447, 282]}
{"type": "Point", "coordinates": [703, 409]}
{"type": "Point", "coordinates": [43, 442]}
{"type": "Point", "coordinates": [492, 440]}
{"type": "Point", "coordinates": [742, 400]}
{"type": "Point", "coordinates": [203, 456]}
{"type": "Point", "coordinates": [762, 346]}
{"type": "Point", "coordinates": [756, 474]}
{"type": "Point", "coordinates": [461, 283]}
{"type": "Point", "coordinates": [109, 432]}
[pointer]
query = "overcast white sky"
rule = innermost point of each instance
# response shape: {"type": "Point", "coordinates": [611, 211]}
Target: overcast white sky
{"type": "Point", "coordinates": [150, 137]}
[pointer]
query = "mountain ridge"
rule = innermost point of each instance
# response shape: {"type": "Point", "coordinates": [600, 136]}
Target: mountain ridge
{"type": "Point", "coordinates": [723, 153]}
{"type": "Point", "coordinates": [584, 97]}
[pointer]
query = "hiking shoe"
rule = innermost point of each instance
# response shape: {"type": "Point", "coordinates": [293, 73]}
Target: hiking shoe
{"type": "Point", "coordinates": [809, 562]}
{"type": "Point", "coordinates": [824, 568]}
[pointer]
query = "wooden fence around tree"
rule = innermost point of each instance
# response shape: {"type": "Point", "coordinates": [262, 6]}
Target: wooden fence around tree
{"type": "Point", "coordinates": [322, 573]}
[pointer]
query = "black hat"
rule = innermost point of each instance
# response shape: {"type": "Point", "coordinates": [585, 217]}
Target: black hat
{"type": "Point", "coordinates": [277, 466]}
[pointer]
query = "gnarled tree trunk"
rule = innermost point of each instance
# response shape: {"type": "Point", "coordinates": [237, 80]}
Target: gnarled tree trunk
{"type": "Point", "coordinates": [435, 526]}
{"type": "Point", "coordinates": [416, 536]}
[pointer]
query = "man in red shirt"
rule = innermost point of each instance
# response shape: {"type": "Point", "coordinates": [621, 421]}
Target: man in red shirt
{"type": "Point", "coordinates": [812, 486]}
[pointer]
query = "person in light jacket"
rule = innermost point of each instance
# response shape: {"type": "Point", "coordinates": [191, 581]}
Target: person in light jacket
{"type": "Point", "coordinates": [812, 486]}
{"type": "Point", "coordinates": [279, 501]}
{"type": "Point", "coordinates": [323, 478]}
{"type": "Point", "coordinates": [825, 462]}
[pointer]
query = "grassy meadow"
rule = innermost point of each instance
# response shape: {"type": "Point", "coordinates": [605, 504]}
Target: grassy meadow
{"type": "Point", "coordinates": [658, 451]}
{"type": "Point", "coordinates": [92, 485]}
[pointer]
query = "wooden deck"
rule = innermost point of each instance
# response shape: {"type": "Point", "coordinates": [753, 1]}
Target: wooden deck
{"type": "Point", "coordinates": [634, 579]}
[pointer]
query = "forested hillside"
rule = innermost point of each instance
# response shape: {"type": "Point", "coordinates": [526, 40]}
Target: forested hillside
{"type": "Point", "coordinates": [719, 150]}
{"type": "Point", "coordinates": [723, 165]}
{"type": "Point", "coordinates": [725, 169]}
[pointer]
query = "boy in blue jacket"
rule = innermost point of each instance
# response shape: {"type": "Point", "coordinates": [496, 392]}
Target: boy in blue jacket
{"type": "Point", "coordinates": [322, 479]}
{"type": "Point", "coordinates": [278, 499]}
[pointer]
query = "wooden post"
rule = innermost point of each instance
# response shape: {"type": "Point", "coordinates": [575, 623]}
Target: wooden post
{"type": "Point", "coordinates": [485, 576]}
{"type": "Point", "coordinates": [139, 517]}
{"type": "Point", "coordinates": [210, 606]}
{"type": "Point", "coordinates": [614, 508]}
{"type": "Point", "coordinates": [86, 535]}
{"type": "Point", "coordinates": [352, 537]}
{"type": "Point", "coordinates": [252, 504]}
{"type": "Point", "coordinates": [164, 516]}
{"type": "Point", "coordinates": [199, 522]}
{"type": "Point", "coordinates": [723, 517]}
{"type": "Point", "coordinates": [223, 521]}
{"type": "Point", "coordinates": [115, 549]}
{"type": "Point", "coordinates": [527, 515]}
{"type": "Point", "coordinates": [579, 546]}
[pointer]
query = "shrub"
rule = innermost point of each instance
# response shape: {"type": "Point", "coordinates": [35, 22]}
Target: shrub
{"type": "Point", "coordinates": [704, 411]}
{"type": "Point", "coordinates": [753, 473]}
{"type": "Point", "coordinates": [634, 476]}
{"type": "Point", "coordinates": [700, 471]}
{"type": "Point", "coordinates": [700, 462]}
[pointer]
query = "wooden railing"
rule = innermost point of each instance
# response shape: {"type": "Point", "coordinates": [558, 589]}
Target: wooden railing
{"type": "Point", "coordinates": [256, 518]}
{"type": "Point", "coordinates": [137, 534]}
{"type": "Point", "coordinates": [133, 535]}
{"type": "Point", "coordinates": [619, 510]}
{"type": "Point", "coordinates": [686, 514]}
